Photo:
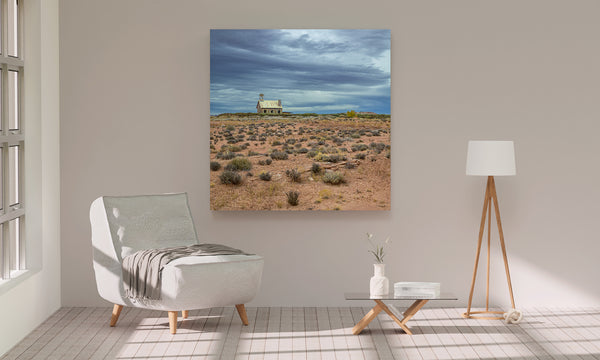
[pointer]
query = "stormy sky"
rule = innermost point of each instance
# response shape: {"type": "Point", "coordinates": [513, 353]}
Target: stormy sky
{"type": "Point", "coordinates": [320, 71]}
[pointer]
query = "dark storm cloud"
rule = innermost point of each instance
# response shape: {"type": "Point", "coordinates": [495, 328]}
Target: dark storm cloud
{"type": "Point", "coordinates": [302, 67]}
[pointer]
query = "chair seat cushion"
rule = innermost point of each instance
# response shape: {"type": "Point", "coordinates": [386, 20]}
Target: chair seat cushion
{"type": "Point", "coordinates": [198, 282]}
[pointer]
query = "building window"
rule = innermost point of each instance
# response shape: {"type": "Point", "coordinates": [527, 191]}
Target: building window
{"type": "Point", "coordinates": [12, 141]}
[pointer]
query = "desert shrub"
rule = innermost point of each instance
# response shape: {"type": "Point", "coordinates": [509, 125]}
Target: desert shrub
{"type": "Point", "coordinates": [335, 158]}
{"type": "Point", "coordinates": [388, 154]}
{"type": "Point", "coordinates": [316, 168]}
{"type": "Point", "coordinates": [240, 163]}
{"type": "Point", "coordinates": [333, 178]}
{"type": "Point", "coordinates": [249, 174]}
{"type": "Point", "coordinates": [215, 165]}
{"type": "Point", "coordinates": [303, 150]}
{"type": "Point", "coordinates": [351, 114]}
{"type": "Point", "coordinates": [350, 165]}
{"type": "Point", "coordinates": [290, 141]}
{"type": "Point", "coordinates": [266, 176]}
{"type": "Point", "coordinates": [294, 175]}
{"type": "Point", "coordinates": [377, 147]}
{"type": "Point", "coordinates": [265, 162]}
{"type": "Point", "coordinates": [359, 147]}
{"type": "Point", "coordinates": [252, 153]}
{"type": "Point", "coordinates": [230, 177]}
{"type": "Point", "coordinates": [355, 136]}
{"type": "Point", "coordinates": [225, 155]}
{"type": "Point", "coordinates": [312, 154]}
{"type": "Point", "coordinates": [360, 156]}
{"type": "Point", "coordinates": [279, 155]}
{"type": "Point", "coordinates": [292, 197]}
{"type": "Point", "coordinates": [276, 143]}
{"type": "Point", "coordinates": [230, 127]}
{"type": "Point", "coordinates": [320, 157]}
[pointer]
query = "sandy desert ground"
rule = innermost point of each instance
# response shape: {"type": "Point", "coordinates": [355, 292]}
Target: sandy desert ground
{"type": "Point", "coordinates": [330, 162]}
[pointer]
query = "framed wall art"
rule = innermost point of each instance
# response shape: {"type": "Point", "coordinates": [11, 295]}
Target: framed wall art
{"type": "Point", "coordinates": [300, 119]}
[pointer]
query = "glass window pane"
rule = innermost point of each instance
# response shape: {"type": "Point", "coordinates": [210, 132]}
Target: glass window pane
{"type": "Point", "coordinates": [1, 30]}
{"type": "Point", "coordinates": [13, 175]}
{"type": "Point", "coordinates": [1, 178]}
{"type": "Point", "coordinates": [1, 86]}
{"type": "Point", "coordinates": [3, 258]}
{"type": "Point", "coordinates": [13, 28]}
{"type": "Point", "coordinates": [14, 234]}
{"type": "Point", "coordinates": [13, 100]}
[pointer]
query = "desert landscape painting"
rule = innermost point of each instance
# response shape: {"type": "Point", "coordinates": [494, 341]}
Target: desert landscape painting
{"type": "Point", "coordinates": [300, 120]}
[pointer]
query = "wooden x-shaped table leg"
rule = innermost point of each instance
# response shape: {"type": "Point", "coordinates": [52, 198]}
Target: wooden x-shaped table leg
{"type": "Point", "coordinates": [409, 313]}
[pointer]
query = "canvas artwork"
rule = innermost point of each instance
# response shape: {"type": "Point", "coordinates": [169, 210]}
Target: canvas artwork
{"type": "Point", "coordinates": [300, 119]}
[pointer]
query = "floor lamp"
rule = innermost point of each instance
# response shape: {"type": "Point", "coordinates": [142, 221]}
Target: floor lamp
{"type": "Point", "coordinates": [490, 158]}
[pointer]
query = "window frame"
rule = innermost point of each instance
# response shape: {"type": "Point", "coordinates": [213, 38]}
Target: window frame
{"type": "Point", "coordinates": [8, 138]}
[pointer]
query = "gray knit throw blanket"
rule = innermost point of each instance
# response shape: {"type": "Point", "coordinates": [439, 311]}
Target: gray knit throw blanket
{"type": "Point", "coordinates": [142, 270]}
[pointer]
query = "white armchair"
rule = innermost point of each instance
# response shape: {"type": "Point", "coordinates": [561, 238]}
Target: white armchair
{"type": "Point", "coordinates": [126, 224]}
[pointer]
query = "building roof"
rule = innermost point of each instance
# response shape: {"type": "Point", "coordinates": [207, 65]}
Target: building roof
{"type": "Point", "coordinates": [269, 104]}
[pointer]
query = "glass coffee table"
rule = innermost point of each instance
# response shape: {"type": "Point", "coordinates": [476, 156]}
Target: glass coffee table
{"type": "Point", "coordinates": [392, 311]}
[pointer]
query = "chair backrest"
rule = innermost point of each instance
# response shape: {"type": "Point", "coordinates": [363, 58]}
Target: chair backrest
{"type": "Point", "coordinates": [149, 222]}
{"type": "Point", "coordinates": [122, 225]}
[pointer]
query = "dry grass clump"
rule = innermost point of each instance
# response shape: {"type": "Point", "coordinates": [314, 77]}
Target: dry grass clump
{"type": "Point", "coordinates": [334, 178]}
{"type": "Point", "coordinates": [229, 177]}
{"type": "Point", "coordinates": [240, 163]}
{"type": "Point", "coordinates": [279, 155]}
{"type": "Point", "coordinates": [265, 176]}
{"type": "Point", "coordinates": [293, 197]}
{"type": "Point", "coordinates": [215, 165]}
{"type": "Point", "coordinates": [294, 175]}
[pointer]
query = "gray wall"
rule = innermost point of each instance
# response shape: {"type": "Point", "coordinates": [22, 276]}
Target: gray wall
{"type": "Point", "coordinates": [135, 119]}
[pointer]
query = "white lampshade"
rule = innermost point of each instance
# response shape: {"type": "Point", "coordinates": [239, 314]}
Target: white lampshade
{"type": "Point", "coordinates": [491, 158]}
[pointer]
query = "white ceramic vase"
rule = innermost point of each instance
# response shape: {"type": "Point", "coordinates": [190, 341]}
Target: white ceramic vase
{"type": "Point", "coordinates": [380, 285]}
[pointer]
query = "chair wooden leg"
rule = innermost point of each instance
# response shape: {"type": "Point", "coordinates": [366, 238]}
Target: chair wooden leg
{"type": "Point", "coordinates": [185, 314]}
{"type": "Point", "coordinates": [115, 314]}
{"type": "Point", "coordinates": [173, 321]}
{"type": "Point", "coordinates": [241, 309]}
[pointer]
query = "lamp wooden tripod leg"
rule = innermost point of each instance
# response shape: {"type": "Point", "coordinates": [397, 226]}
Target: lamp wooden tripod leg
{"type": "Point", "coordinates": [490, 197]}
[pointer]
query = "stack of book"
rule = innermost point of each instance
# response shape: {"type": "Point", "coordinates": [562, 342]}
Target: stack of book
{"type": "Point", "coordinates": [417, 289]}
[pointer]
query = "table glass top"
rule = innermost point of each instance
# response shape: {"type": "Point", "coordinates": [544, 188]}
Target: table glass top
{"type": "Point", "coordinates": [390, 296]}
